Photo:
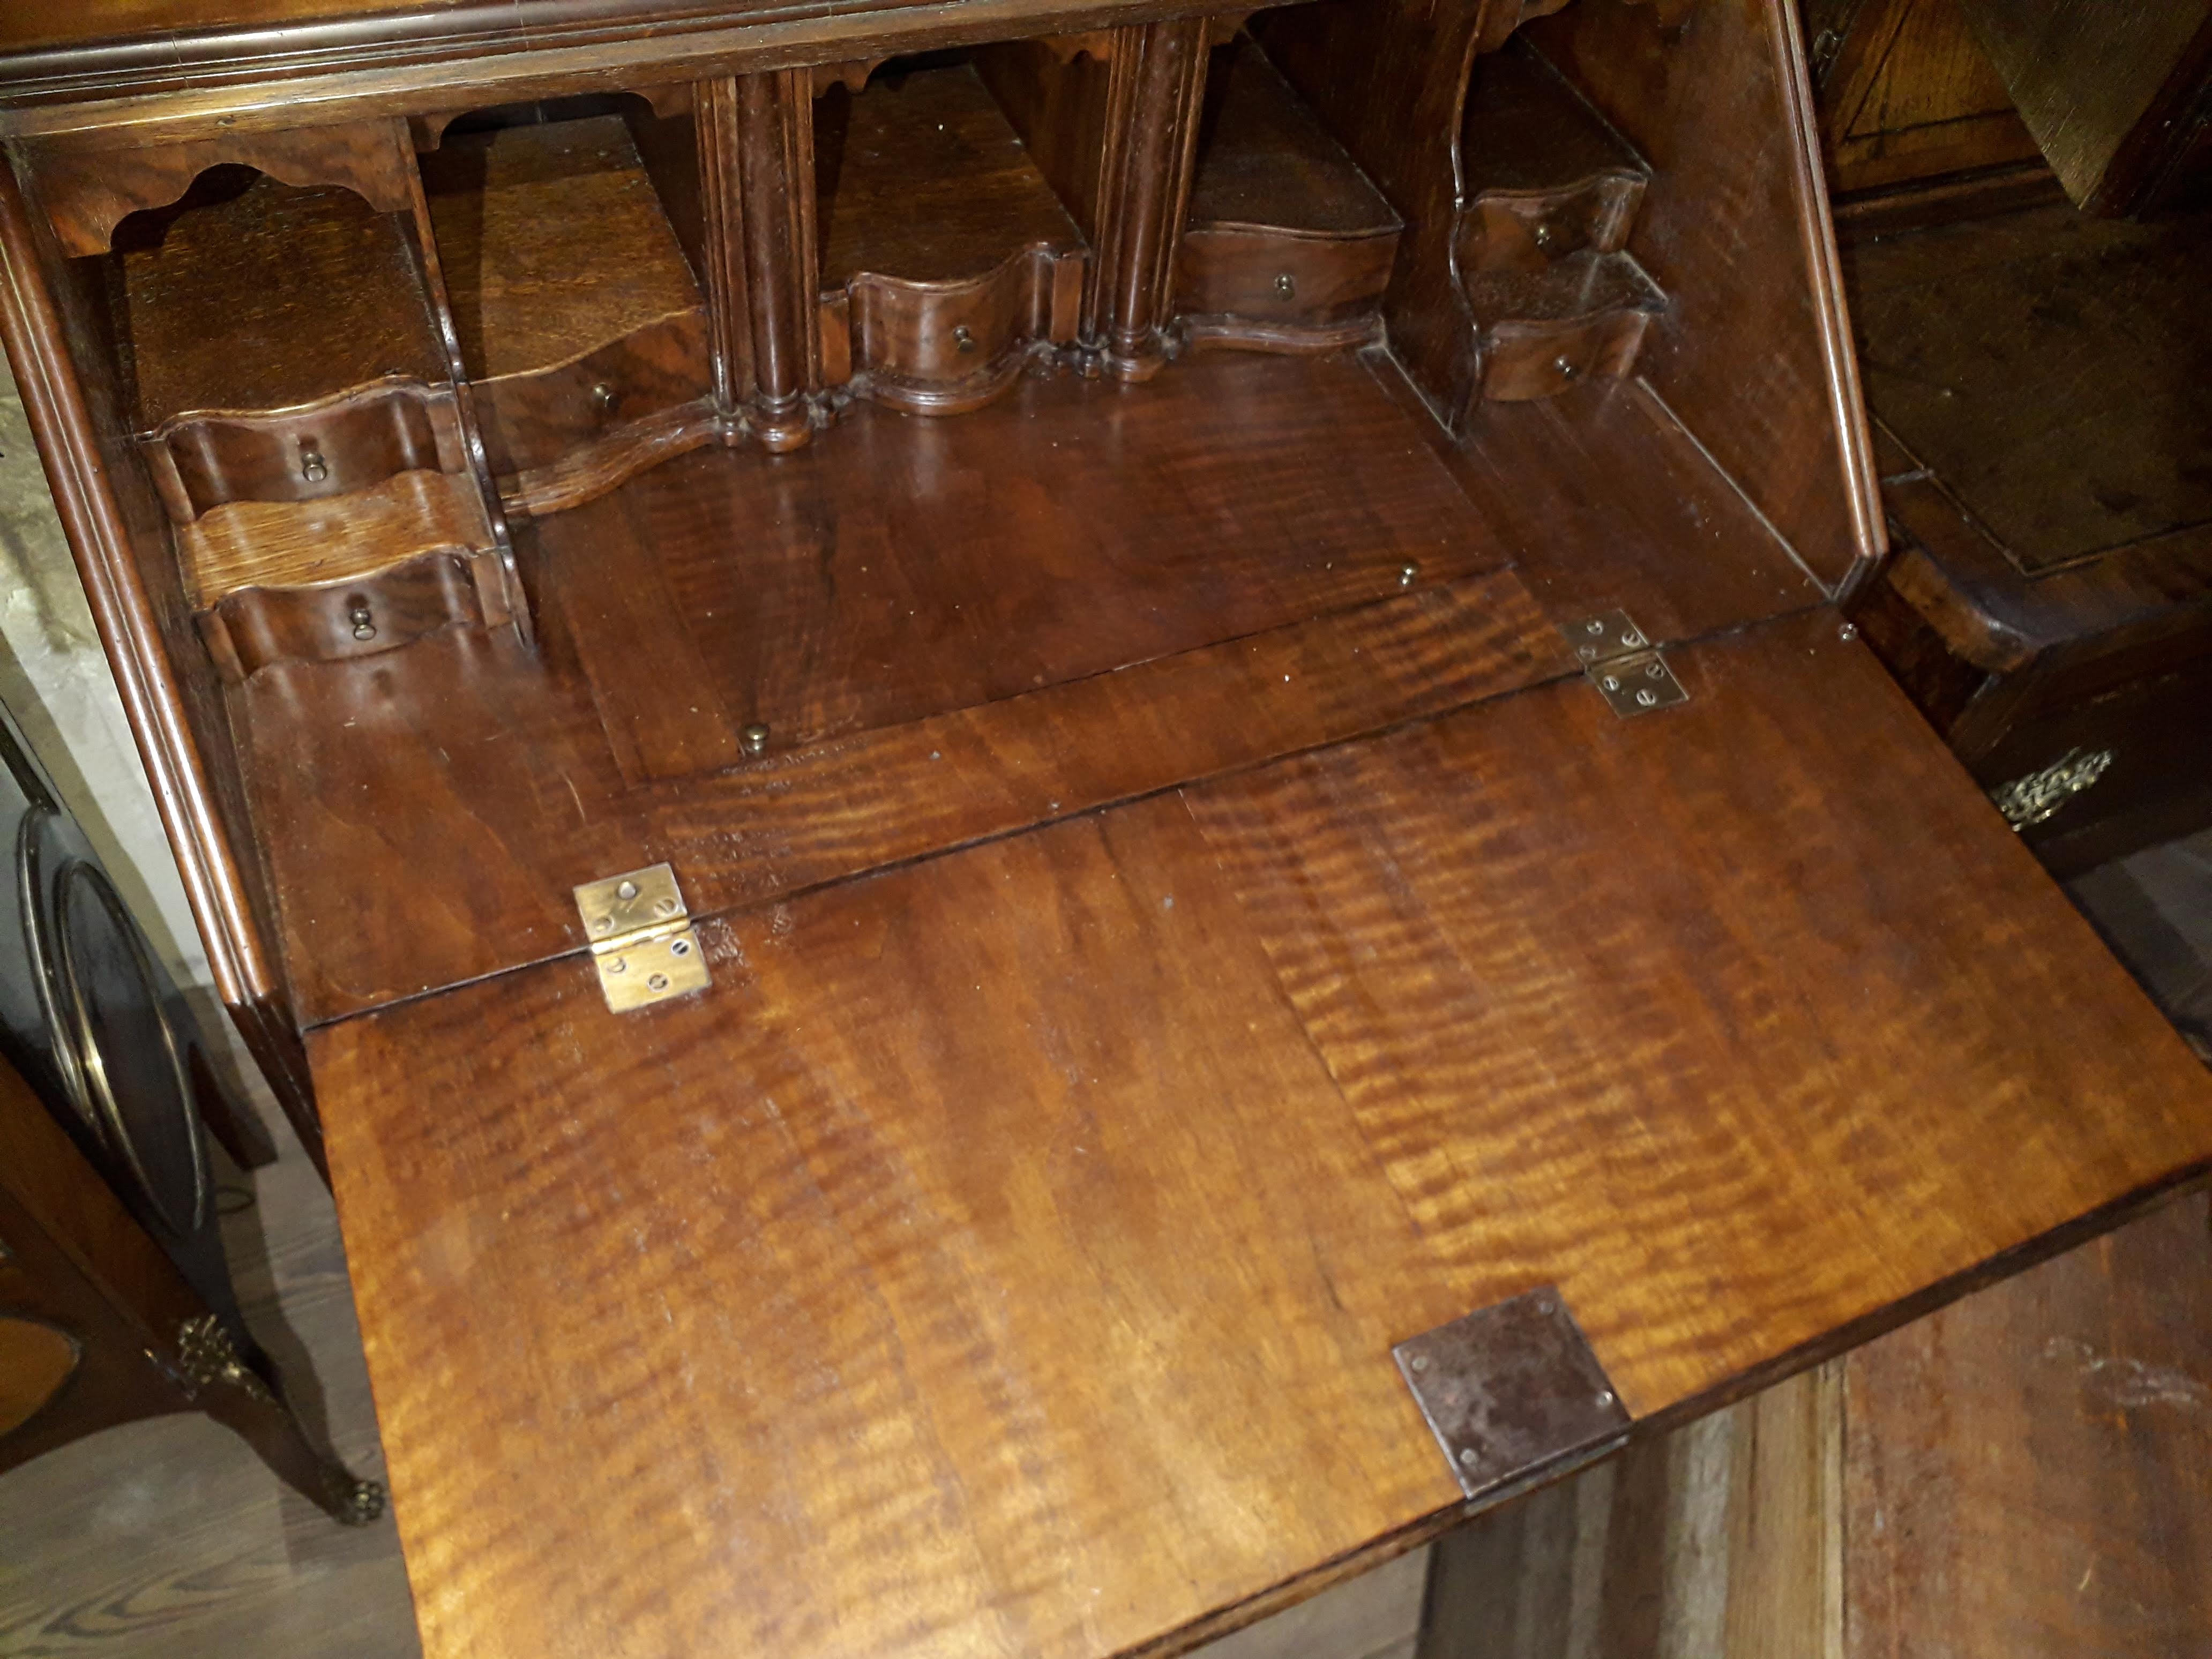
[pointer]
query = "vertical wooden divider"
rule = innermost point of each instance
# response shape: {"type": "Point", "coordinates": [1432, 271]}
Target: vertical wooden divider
{"type": "Point", "coordinates": [1156, 82]}
{"type": "Point", "coordinates": [757, 174]}
{"type": "Point", "coordinates": [441, 309]}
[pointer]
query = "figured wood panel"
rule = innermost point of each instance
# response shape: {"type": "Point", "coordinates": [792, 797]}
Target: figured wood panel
{"type": "Point", "coordinates": [293, 543]}
{"type": "Point", "coordinates": [1671, 972]}
{"type": "Point", "coordinates": [2030, 1472]}
{"type": "Point", "coordinates": [933, 1319]}
{"type": "Point", "coordinates": [1004, 1254]}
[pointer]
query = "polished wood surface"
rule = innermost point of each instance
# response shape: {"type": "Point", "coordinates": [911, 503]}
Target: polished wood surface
{"type": "Point", "coordinates": [946, 256]}
{"type": "Point", "coordinates": [1090, 1174]}
{"type": "Point", "coordinates": [655, 651]}
{"type": "Point", "coordinates": [922, 177]}
{"type": "Point", "coordinates": [1288, 245]}
{"type": "Point", "coordinates": [1737, 236]}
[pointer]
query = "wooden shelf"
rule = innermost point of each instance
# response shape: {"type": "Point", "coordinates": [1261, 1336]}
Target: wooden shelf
{"type": "Point", "coordinates": [1264, 161]}
{"type": "Point", "coordinates": [922, 177]}
{"type": "Point", "coordinates": [267, 297]}
{"type": "Point", "coordinates": [280, 544]}
{"type": "Point", "coordinates": [553, 241]}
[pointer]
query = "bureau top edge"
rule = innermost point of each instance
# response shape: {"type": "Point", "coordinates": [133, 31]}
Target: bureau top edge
{"type": "Point", "coordinates": [186, 69]}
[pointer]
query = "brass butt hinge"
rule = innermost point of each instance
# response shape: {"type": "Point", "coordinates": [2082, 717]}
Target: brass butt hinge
{"type": "Point", "coordinates": [641, 940]}
{"type": "Point", "coordinates": [1624, 665]}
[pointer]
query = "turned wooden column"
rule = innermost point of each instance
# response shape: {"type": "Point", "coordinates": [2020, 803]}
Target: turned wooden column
{"type": "Point", "coordinates": [757, 174]}
{"type": "Point", "coordinates": [1158, 79]}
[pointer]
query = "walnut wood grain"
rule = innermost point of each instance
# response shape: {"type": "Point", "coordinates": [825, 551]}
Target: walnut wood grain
{"type": "Point", "coordinates": [1544, 177]}
{"type": "Point", "coordinates": [950, 348]}
{"type": "Point", "coordinates": [921, 177]}
{"type": "Point", "coordinates": [90, 190]}
{"type": "Point", "coordinates": [267, 297]}
{"type": "Point", "coordinates": [620, 455]}
{"type": "Point", "coordinates": [2028, 1470]}
{"type": "Point", "coordinates": [297, 543]}
{"type": "Point", "coordinates": [1542, 331]}
{"type": "Point", "coordinates": [773, 126]}
{"type": "Point", "coordinates": [1394, 1030]}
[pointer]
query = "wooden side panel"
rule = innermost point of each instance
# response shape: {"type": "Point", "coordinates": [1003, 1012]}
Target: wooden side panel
{"type": "Point", "coordinates": [1734, 228]}
{"type": "Point", "coordinates": [2030, 1472]}
{"type": "Point", "coordinates": [117, 530]}
{"type": "Point", "coordinates": [1005, 1254]}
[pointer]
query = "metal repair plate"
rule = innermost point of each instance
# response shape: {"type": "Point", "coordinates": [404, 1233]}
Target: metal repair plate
{"type": "Point", "coordinates": [1512, 1392]}
{"type": "Point", "coordinates": [1638, 685]}
{"type": "Point", "coordinates": [1608, 634]}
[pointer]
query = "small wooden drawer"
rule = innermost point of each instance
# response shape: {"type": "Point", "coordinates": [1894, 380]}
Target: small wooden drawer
{"type": "Point", "coordinates": [535, 419]}
{"type": "Point", "coordinates": [203, 460]}
{"type": "Point", "coordinates": [944, 347]}
{"type": "Point", "coordinates": [1251, 285]}
{"type": "Point", "coordinates": [358, 616]}
{"type": "Point", "coordinates": [1526, 230]}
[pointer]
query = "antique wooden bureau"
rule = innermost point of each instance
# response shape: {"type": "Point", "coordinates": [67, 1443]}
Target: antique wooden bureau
{"type": "Point", "coordinates": [1055, 809]}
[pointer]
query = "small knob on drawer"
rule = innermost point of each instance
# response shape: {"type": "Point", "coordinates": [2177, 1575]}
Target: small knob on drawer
{"type": "Point", "coordinates": [364, 627]}
{"type": "Point", "coordinates": [604, 399]}
{"type": "Point", "coordinates": [961, 339]}
{"type": "Point", "coordinates": [1544, 236]}
{"type": "Point", "coordinates": [1286, 285]}
{"type": "Point", "coordinates": [313, 467]}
